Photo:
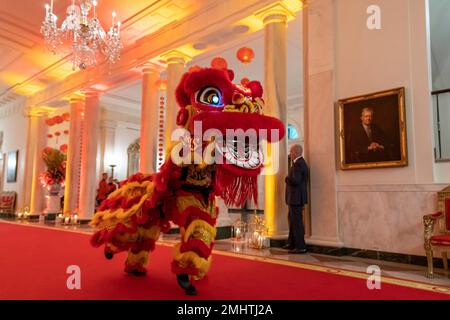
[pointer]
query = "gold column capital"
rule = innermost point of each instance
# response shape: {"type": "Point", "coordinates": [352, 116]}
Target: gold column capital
{"type": "Point", "coordinates": [151, 68]}
{"type": "Point", "coordinates": [175, 56]}
{"type": "Point", "coordinates": [75, 97]}
{"type": "Point", "coordinates": [39, 111]}
{"type": "Point", "coordinates": [276, 12]}
{"type": "Point", "coordinates": [91, 93]}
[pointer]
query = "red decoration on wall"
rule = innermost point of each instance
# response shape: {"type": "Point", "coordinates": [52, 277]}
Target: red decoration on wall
{"type": "Point", "coordinates": [63, 148]}
{"type": "Point", "coordinates": [57, 133]}
{"type": "Point", "coordinates": [50, 122]}
{"type": "Point", "coordinates": [66, 132]}
{"type": "Point", "coordinates": [66, 116]}
{"type": "Point", "coordinates": [50, 136]}
{"type": "Point", "coordinates": [58, 120]}
{"type": "Point", "coordinates": [245, 55]}
{"type": "Point", "coordinates": [219, 63]}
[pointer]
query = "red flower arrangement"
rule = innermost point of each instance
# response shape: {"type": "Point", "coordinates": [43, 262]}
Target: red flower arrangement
{"type": "Point", "coordinates": [56, 167]}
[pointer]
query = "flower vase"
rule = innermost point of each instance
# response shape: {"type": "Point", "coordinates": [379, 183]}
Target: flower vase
{"type": "Point", "coordinates": [53, 199]}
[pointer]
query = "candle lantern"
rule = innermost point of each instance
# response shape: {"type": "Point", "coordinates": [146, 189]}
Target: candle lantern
{"type": "Point", "coordinates": [19, 214]}
{"type": "Point", "coordinates": [239, 228]}
{"type": "Point", "coordinates": [258, 234]}
{"type": "Point", "coordinates": [26, 212]}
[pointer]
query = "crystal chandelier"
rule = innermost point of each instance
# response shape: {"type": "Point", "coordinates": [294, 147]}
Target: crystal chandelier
{"type": "Point", "coordinates": [85, 35]}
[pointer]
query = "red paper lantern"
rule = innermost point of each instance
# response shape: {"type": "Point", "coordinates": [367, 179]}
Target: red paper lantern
{"type": "Point", "coordinates": [57, 133]}
{"type": "Point", "coordinates": [50, 122]}
{"type": "Point", "coordinates": [219, 63]}
{"type": "Point", "coordinates": [66, 132]}
{"type": "Point", "coordinates": [245, 55]}
{"type": "Point", "coordinates": [50, 136]}
{"type": "Point", "coordinates": [59, 120]}
{"type": "Point", "coordinates": [66, 116]}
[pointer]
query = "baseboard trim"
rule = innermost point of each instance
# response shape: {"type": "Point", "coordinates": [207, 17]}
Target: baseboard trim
{"type": "Point", "coordinates": [367, 254]}
{"type": "Point", "coordinates": [224, 232]}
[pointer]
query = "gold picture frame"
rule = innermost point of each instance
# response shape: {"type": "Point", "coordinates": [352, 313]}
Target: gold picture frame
{"type": "Point", "coordinates": [372, 130]}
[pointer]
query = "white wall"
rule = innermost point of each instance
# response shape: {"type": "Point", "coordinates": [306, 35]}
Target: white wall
{"type": "Point", "coordinates": [14, 125]}
{"type": "Point", "coordinates": [378, 209]}
{"type": "Point", "coordinates": [395, 56]}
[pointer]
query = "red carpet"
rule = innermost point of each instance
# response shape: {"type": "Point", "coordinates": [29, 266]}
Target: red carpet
{"type": "Point", "coordinates": [34, 260]}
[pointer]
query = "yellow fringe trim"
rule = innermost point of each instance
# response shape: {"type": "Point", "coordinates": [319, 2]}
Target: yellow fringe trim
{"type": "Point", "coordinates": [199, 224]}
{"type": "Point", "coordinates": [140, 258]}
{"type": "Point", "coordinates": [152, 233]}
{"type": "Point", "coordinates": [120, 213]}
{"type": "Point", "coordinates": [191, 259]}
{"type": "Point", "coordinates": [183, 202]}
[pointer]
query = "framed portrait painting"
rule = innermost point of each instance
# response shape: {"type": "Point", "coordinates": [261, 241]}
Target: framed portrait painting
{"type": "Point", "coordinates": [11, 166]}
{"type": "Point", "coordinates": [372, 130]}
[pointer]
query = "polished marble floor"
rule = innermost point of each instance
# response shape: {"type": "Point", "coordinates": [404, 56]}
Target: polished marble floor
{"type": "Point", "coordinates": [389, 269]}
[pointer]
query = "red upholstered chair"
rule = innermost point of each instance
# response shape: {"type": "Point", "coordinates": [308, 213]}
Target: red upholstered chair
{"type": "Point", "coordinates": [438, 240]}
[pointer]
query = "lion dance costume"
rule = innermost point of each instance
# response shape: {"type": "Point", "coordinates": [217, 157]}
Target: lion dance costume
{"type": "Point", "coordinates": [132, 218]}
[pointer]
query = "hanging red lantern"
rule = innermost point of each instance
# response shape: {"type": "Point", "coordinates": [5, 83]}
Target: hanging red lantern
{"type": "Point", "coordinates": [245, 55]}
{"type": "Point", "coordinates": [50, 122]}
{"type": "Point", "coordinates": [66, 116]}
{"type": "Point", "coordinates": [66, 132]}
{"type": "Point", "coordinates": [63, 148]}
{"type": "Point", "coordinates": [59, 119]}
{"type": "Point", "coordinates": [219, 63]}
{"type": "Point", "coordinates": [57, 133]}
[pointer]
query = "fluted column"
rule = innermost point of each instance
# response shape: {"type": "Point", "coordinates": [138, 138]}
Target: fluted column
{"type": "Point", "coordinates": [275, 25]}
{"type": "Point", "coordinates": [175, 68]}
{"type": "Point", "coordinates": [38, 131]}
{"type": "Point", "coordinates": [149, 121]}
{"type": "Point", "coordinates": [90, 135]}
{"type": "Point", "coordinates": [72, 185]}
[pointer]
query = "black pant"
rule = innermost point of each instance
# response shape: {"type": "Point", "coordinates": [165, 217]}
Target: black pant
{"type": "Point", "coordinates": [296, 229]}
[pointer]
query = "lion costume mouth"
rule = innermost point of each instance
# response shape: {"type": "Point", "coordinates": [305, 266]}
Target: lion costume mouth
{"type": "Point", "coordinates": [241, 154]}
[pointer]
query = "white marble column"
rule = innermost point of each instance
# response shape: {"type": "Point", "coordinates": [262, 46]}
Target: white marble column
{"type": "Point", "coordinates": [175, 69]}
{"type": "Point", "coordinates": [72, 185]}
{"type": "Point", "coordinates": [149, 121]}
{"type": "Point", "coordinates": [319, 121]}
{"type": "Point", "coordinates": [90, 135]}
{"type": "Point", "coordinates": [275, 76]}
{"type": "Point", "coordinates": [38, 131]}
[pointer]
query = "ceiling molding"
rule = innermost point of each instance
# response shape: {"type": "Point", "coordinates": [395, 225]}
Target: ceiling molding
{"type": "Point", "coordinates": [188, 29]}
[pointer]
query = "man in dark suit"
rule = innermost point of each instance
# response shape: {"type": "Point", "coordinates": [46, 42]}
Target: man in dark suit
{"type": "Point", "coordinates": [296, 198]}
{"type": "Point", "coordinates": [366, 141]}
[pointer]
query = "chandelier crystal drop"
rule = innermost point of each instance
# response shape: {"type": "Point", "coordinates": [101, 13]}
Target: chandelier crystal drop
{"type": "Point", "coordinates": [85, 35]}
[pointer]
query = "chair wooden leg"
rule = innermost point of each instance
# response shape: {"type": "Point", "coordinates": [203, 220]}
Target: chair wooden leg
{"type": "Point", "coordinates": [430, 263]}
{"type": "Point", "coordinates": [444, 260]}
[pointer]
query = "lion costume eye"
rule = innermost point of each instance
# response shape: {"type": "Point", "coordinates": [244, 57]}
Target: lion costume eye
{"type": "Point", "coordinates": [210, 96]}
